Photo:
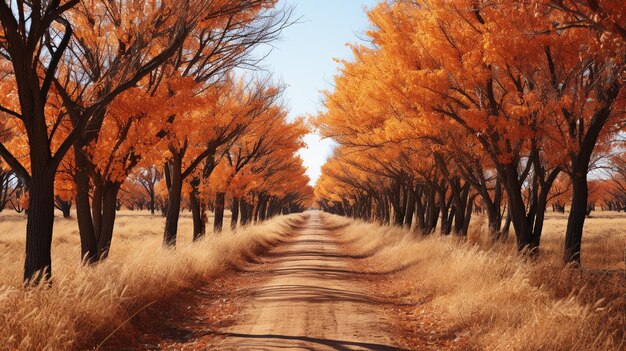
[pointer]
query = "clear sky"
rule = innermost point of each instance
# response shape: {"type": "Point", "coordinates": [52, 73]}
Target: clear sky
{"type": "Point", "coordinates": [303, 60]}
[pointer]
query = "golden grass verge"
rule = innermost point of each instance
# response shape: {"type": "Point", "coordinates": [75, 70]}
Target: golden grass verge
{"type": "Point", "coordinates": [504, 301]}
{"type": "Point", "coordinates": [85, 306]}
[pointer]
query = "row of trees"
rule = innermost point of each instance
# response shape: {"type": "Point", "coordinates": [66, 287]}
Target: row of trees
{"type": "Point", "coordinates": [98, 91]}
{"type": "Point", "coordinates": [465, 102]}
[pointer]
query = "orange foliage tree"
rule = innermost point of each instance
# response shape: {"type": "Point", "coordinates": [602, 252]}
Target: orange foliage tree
{"type": "Point", "coordinates": [103, 88]}
{"type": "Point", "coordinates": [455, 101]}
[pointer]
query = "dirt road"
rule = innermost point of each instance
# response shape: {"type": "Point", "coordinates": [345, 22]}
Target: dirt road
{"type": "Point", "coordinates": [311, 300]}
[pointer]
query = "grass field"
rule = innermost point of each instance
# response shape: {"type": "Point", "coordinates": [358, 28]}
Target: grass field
{"type": "Point", "coordinates": [604, 239]}
{"type": "Point", "coordinates": [505, 302]}
{"type": "Point", "coordinates": [499, 300]}
{"type": "Point", "coordinates": [85, 306]}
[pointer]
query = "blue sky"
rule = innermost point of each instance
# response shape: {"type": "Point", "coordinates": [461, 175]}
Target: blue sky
{"type": "Point", "coordinates": [303, 60]}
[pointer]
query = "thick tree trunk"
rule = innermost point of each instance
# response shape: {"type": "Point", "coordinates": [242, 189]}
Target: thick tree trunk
{"type": "Point", "coordinates": [40, 220]}
{"type": "Point", "coordinates": [517, 208]}
{"type": "Point", "coordinates": [542, 203]}
{"type": "Point", "coordinates": [410, 208]}
{"type": "Point", "coordinates": [447, 214]}
{"type": "Point", "coordinates": [386, 210]}
{"type": "Point", "coordinates": [107, 219]}
{"type": "Point", "coordinates": [88, 242]}
{"type": "Point", "coordinates": [420, 214]}
{"type": "Point", "coordinates": [469, 209]}
{"type": "Point", "coordinates": [262, 215]}
{"type": "Point", "coordinates": [234, 209]}
{"type": "Point", "coordinates": [96, 212]}
{"type": "Point", "coordinates": [249, 209]}
{"type": "Point", "coordinates": [576, 220]}
{"type": "Point", "coordinates": [174, 197]}
{"type": "Point", "coordinates": [196, 215]}
{"type": "Point", "coordinates": [396, 195]}
{"type": "Point", "coordinates": [432, 211]}
{"type": "Point", "coordinates": [494, 217]}
{"type": "Point", "coordinates": [220, 199]}
{"type": "Point", "coordinates": [245, 211]}
{"type": "Point", "coordinates": [460, 199]}
{"type": "Point", "coordinates": [259, 208]}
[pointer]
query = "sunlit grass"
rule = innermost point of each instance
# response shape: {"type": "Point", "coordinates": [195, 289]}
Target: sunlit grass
{"type": "Point", "coordinates": [85, 305]}
{"type": "Point", "coordinates": [504, 301]}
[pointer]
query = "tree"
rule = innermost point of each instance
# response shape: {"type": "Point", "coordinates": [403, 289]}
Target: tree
{"type": "Point", "coordinates": [27, 32]}
{"type": "Point", "coordinates": [208, 57]}
{"type": "Point", "coordinates": [37, 38]}
{"type": "Point", "coordinates": [464, 99]}
{"type": "Point", "coordinates": [587, 94]}
{"type": "Point", "coordinates": [267, 148]}
{"type": "Point", "coordinates": [228, 109]}
{"type": "Point", "coordinates": [148, 178]}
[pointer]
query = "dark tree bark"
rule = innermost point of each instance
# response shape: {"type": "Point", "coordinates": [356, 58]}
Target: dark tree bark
{"type": "Point", "coordinates": [89, 245]}
{"type": "Point", "coordinates": [447, 213]}
{"type": "Point", "coordinates": [410, 208]}
{"type": "Point", "coordinates": [420, 211]}
{"type": "Point", "coordinates": [38, 263]}
{"type": "Point", "coordinates": [220, 199]}
{"type": "Point", "coordinates": [107, 219]}
{"type": "Point", "coordinates": [578, 174]}
{"type": "Point", "coordinates": [245, 212]}
{"type": "Point", "coordinates": [262, 209]}
{"type": "Point", "coordinates": [234, 209]}
{"type": "Point", "coordinates": [65, 206]}
{"type": "Point", "coordinates": [196, 214]}
{"type": "Point", "coordinates": [174, 179]}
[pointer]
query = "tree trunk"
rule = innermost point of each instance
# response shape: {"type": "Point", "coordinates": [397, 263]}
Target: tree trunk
{"type": "Point", "coordinates": [494, 217]}
{"type": "Point", "coordinates": [88, 242]}
{"type": "Point", "coordinates": [576, 220]}
{"type": "Point", "coordinates": [62, 205]}
{"type": "Point", "coordinates": [432, 210]}
{"type": "Point", "coordinates": [262, 209]}
{"type": "Point", "coordinates": [245, 211]}
{"type": "Point", "coordinates": [517, 208]}
{"type": "Point", "coordinates": [107, 219]}
{"type": "Point", "coordinates": [506, 228]}
{"type": "Point", "coordinates": [196, 215]}
{"type": "Point", "coordinates": [152, 203]}
{"type": "Point", "coordinates": [174, 197]}
{"type": "Point", "coordinates": [410, 208]}
{"type": "Point", "coordinates": [40, 220]}
{"type": "Point", "coordinates": [220, 199]}
{"type": "Point", "coordinates": [420, 214]}
{"type": "Point", "coordinates": [234, 213]}
{"type": "Point", "coordinates": [447, 213]}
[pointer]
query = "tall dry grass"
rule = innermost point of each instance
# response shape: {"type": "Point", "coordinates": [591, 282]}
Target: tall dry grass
{"type": "Point", "coordinates": [503, 301]}
{"type": "Point", "coordinates": [84, 306]}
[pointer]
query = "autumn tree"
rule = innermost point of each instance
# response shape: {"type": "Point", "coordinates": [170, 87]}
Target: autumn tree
{"type": "Point", "coordinates": [148, 178]}
{"type": "Point", "coordinates": [231, 106]}
{"type": "Point", "coordinates": [48, 46]}
{"type": "Point", "coordinates": [586, 91]}
{"type": "Point", "coordinates": [488, 95]}
{"type": "Point", "coordinates": [268, 137]}
{"type": "Point", "coordinates": [7, 185]}
{"type": "Point", "coordinates": [208, 58]}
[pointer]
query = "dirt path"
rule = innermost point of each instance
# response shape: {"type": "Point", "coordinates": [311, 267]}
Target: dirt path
{"type": "Point", "coordinates": [312, 300]}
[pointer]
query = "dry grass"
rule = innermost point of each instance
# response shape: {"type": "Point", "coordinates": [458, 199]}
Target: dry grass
{"type": "Point", "coordinates": [86, 305]}
{"type": "Point", "coordinates": [503, 301]}
{"type": "Point", "coordinates": [604, 239]}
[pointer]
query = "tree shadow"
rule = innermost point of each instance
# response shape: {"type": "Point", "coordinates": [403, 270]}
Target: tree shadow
{"type": "Point", "coordinates": [274, 341]}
